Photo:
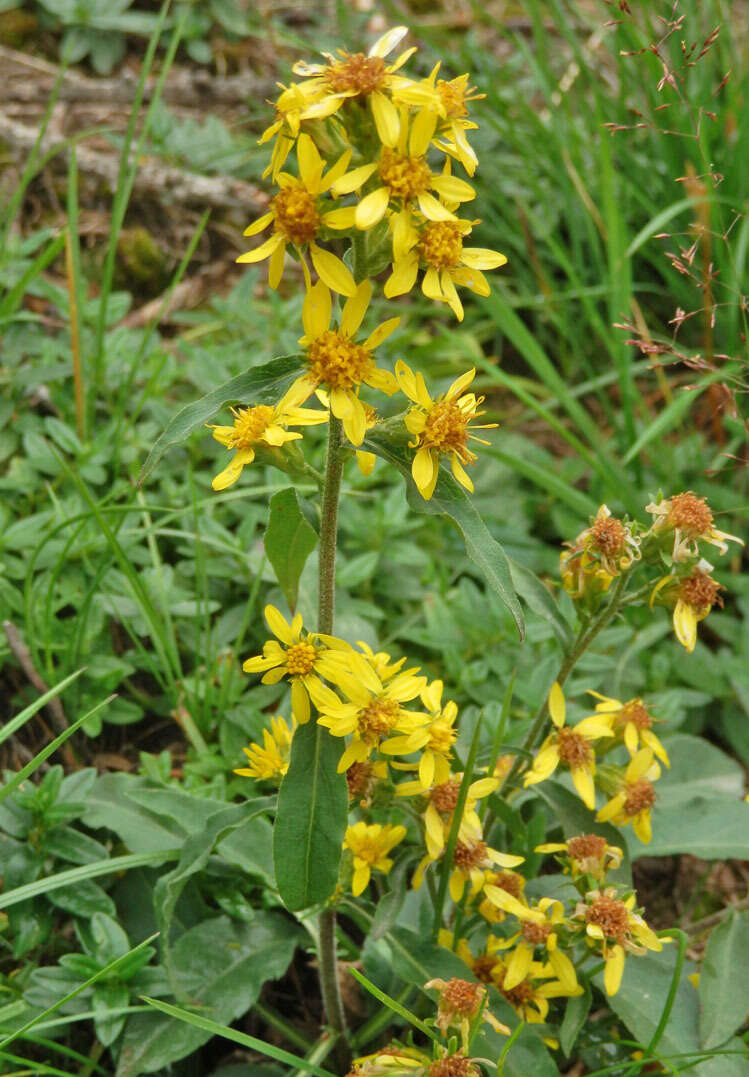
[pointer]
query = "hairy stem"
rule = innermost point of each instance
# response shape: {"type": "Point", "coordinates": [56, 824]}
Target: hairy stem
{"type": "Point", "coordinates": [328, 961]}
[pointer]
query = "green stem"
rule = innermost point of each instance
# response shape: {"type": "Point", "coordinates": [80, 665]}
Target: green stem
{"type": "Point", "coordinates": [328, 961]}
{"type": "Point", "coordinates": [583, 640]}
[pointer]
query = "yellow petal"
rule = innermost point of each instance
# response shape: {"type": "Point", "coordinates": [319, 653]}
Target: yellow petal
{"type": "Point", "coordinates": [310, 162]}
{"type": "Point", "coordinates": [482, 258]}
{"type": "Point", "coordinates": [423, 468]}
{"type": "Point", "coordinates": [355, 308]}
{"type": "Point", "coordinates": [402, 278]}
{"type": "Point", "coordinates": [258, 225]}
{"type": "Point", "coordinates": [355, 423]}
{"type": "Point", "coordinates": [461, 474]}
{"type": "Point", "coordinates": [265, 250]}
{"type": "Point", "coordinates": [382, 332]}
{"type": "Point", "coordinates": [583, 782]}
{"type": "Point", "coordinates": [340, 219]}
{"type": "Point", "coordinates": [389, 40]}
{"type": "Point", "coordinates": [278, 625]}
{"type": "Point", "coordinates": [557, 705]}
{"type": "Point", "coordinates": [431, 286]}
{"type": "Point", "coordinates": [332, 271]}
{"type": "Point", "coordinates": [372, 208]}
{"type": "Point", "coordinates": [386, 119]}
{"type": "Point", "coordinates": [422, 129]}
{"type": "Point", "coordinates": [231, 473]}
{"type": "Point", "coordinates": [365, 462]}
{"type": "Point", "coordinates": [316, 311]}
{"type": "Point", "coordinates": [612, 975]}
{"type": "Point", "coordinates": [353, 180]}
{"type": "Point", "coordinates": [432, 209]}
{"type": "Point", "coordinates": [518, 966]}
{"type": "Point", "coordinates": [453, 189]}
{"type": "Point", "coordinates": [275, 266]}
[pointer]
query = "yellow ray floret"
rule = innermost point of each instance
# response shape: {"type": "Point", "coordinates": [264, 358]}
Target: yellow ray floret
{"type": "Point", "coordinates": [636, 796]}
{"type": "Point", "coordinates": [337, 363]}
{"type": "Point", "coordinates": [262, 425]}
{"type": "Point", "coordinates": [270, 760]}
{"type": "Point", "coordinates": [440, 427]}
{"type": "Point", "coordinates": [297, 216]}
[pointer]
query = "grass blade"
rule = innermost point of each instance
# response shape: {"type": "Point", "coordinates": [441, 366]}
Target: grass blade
{"type": "Point", "coordinates": [86, 871]}
{"type": "Point", "coordinates": [28, 712]}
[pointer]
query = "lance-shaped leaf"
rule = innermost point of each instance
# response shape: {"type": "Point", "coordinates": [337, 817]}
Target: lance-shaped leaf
{"type": "Point", "coordinates": [310, 820]}
{"type": "Point", "coordinates": [289, 540]}
{"type": "Point", "coordinates": [449, 498]}
{"type": "Point", "coordinates": [264, 384]}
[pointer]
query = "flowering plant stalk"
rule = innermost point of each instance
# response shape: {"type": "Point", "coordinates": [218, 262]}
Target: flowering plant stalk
{"type": "Point", "coordinates": [365, 159]}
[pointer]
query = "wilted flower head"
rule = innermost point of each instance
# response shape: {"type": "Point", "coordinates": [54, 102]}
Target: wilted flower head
{"type": "Point", "coordinates": [598, 555]}
{"type": "Point", "coordinates": [689, 519]}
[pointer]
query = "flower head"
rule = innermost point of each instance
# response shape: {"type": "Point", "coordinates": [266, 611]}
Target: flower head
{"type": "Point", "coordinates": [598, 555]}
{"type": "Point", "coordinates": [269, 761]}
{"type": "Point", "coordinates": [434, 740]}
{"type": "Point", "coordinates": [336, 362]}
{"type": "Point", "coordinates": [298, 216]}
{"type": "Point", "coordinates": [689, 519]}
{"type": "Point", "coordinates": [370, 845]}
{"type": "Point", "coordinates": [586, 854]}
{"type": "Point", "coordinates": [612, 925]}
{"type": "Point", "coordinates": [571, 746]}
{"type": "Point", "coordinates": [460, 1003]}
{"type": "Point", "coordinates": [472, 859]}
{"type": "Point", "coordinates": [440, 427]}
{"type": "Point", "coordinates": [692, 598]}
{"type": "Point", "coordinates": [302, 657]}
{"type": "Point", "coordinates": [635, 797]}
{"type": "Point", "coordinates": [404, 181]}
{"type": "Point", "coordinates": [356, 77]}
{"type": "Point", "coordinates": [262, 425]}
{"type": "Point", "coordinates": [633, 722]}
{"type": "Point", "coordinates": [441, 803]}
{"type": "Point", "coordinates": [437, 248]}
{"type": "Point", "coordinates": [539, 929]}
{"type": "Point", "coordinates": [371, 711]}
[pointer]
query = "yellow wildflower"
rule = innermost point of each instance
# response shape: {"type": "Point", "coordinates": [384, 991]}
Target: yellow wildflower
{"type": "Point", "coordinates": [381, 662]}
{"type": "Point", "coordinates": [442, 800]}
{"type": "Point", "coordinates": [438, 248]}
{"type": "Point", "coordinates": [336, 362]}
{"type": "Point", "coordinates": [613, 925]}
{"type": "Point", "coordinates": [633, 721]}
{"type": "Point", "coordinates": [396, 1061]}
{"type": "Point", "coordinates": [460, 1003]}
{"type": "Point", "coordinates": [571, 746]}
{"type": "Point", "coordinates": [511, 881]}
{"type": "Point", "coordinates": [367, 77]}
{"type": "Point", "coordinates": [634, 800]}
{"type": "Point", "coordinates": [406, 180]}
{"type": "Point", "coordinates": [298, 217]}
{"type": "Point", "coordinates": [263, 425]}
{"type": "Point", "coordinates": [539, 927]}
{"type": "Point", "coordinates": [434, 740]}
{"type": "Point", "coordinates": [369, 845]}
{"type": "Point", "coordinates": [471, 859]}
{"type": "Point", "coordinates": [270, 760]}
{"type": "Point", "coordinates": [690, 519]}
{"type": "Point", "coordinates": [455, 96]}
{"type": "Point", "coordinates": [440, 427]}
{"type": "Point", "coordinates": [598, 555]}
{"type": "Point", "coordinates": [290, 104]}
{"type": "Point", "coordinates": [372, 709]}
{"type": "Point", "coordinates": [693, 597]}
{"type": "Point", "coordinates": [586, 854]}
{"type": "Point", "coordinates": [302, 657]}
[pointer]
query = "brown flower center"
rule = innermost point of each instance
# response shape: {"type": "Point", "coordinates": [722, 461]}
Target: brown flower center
{"type": "Point", "coordinates": [360, 780]}
{"type": "Point", "coordinates": [469, 854]}
{"type": "Point", "coordinates": [441, 244]}
{"type": "Point", "coordinates": [519, 995]}
{"type": "Point", "coordinates": [461, 997]}
{"type": "Point", "coordinates": [377, 719]}
{"type": "Point", "coordinates": [691, 514]}
{"type": "Point", "coordinates": [295, 215]}
{"type": "Point", "coordinates": [509, 881]}
{"type": "Point", "coordinates": [608, 535]}
{"type": "Point", "coordinates": [453, 1066]}
{"type": "Point", "coordinates": [300, 659]}
{"type": "Point", "coordinates": [445, 796]}
{"type": "Point", "coordinates": [355, 72]}
{"type": "Point", "coordinates": [636, 712]}
{"type": "Point", "coordinates": [453, 99]}
{"type": "Point", "coordinates": [336, 361]}
{"type": "Point", "coordinates": [610, 914]}
{"type": "Point", "coordinates": [700, 591]}
{"type": "Point", "coordinates": [535, 934]}
{"type": "Point", "coordinates": [250, 424]}
{"type": "Point", "coordinates": [587, 847]}
{"type": "Point", "coordinates": [406, 177]}
{"type": "Point", "coordinates": [573, 748]}
{"type": "Point", "coordinates": [446, 428]}
{"type": "Point", "coordinates": [640, 796]}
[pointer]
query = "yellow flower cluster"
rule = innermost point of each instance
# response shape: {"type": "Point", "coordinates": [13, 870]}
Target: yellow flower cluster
{"type": "Point", "coordinates": [374, 151]}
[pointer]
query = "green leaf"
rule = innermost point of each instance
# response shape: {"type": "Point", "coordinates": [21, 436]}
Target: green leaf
{"type": "Point", "coordinates": [264, 384]}
{"type": "Point", "coordinates": [250, 847]}
{"type": "Point", "coordinates": [568, 810]}
{"type": "Point", "coordinates": [289, 540]}
{"type": "Point", "coordinates": [221, 967]}
{"type": "Point", "coordinates": [724, 980]}
{"type": "Point", "coordinates": [451, 499]}
{"type": "Point", "coordinates": [541, 601]}
{"type": "Point", "coordinates": [110, 805]}
{"type": "Point", "coordinates": [311, 819]}
{"type": "Point", "coordinates": [575, 1015]}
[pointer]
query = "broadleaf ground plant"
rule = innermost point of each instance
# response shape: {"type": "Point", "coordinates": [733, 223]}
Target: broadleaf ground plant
{"type": "Point", "coordinates": [459, 878]}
